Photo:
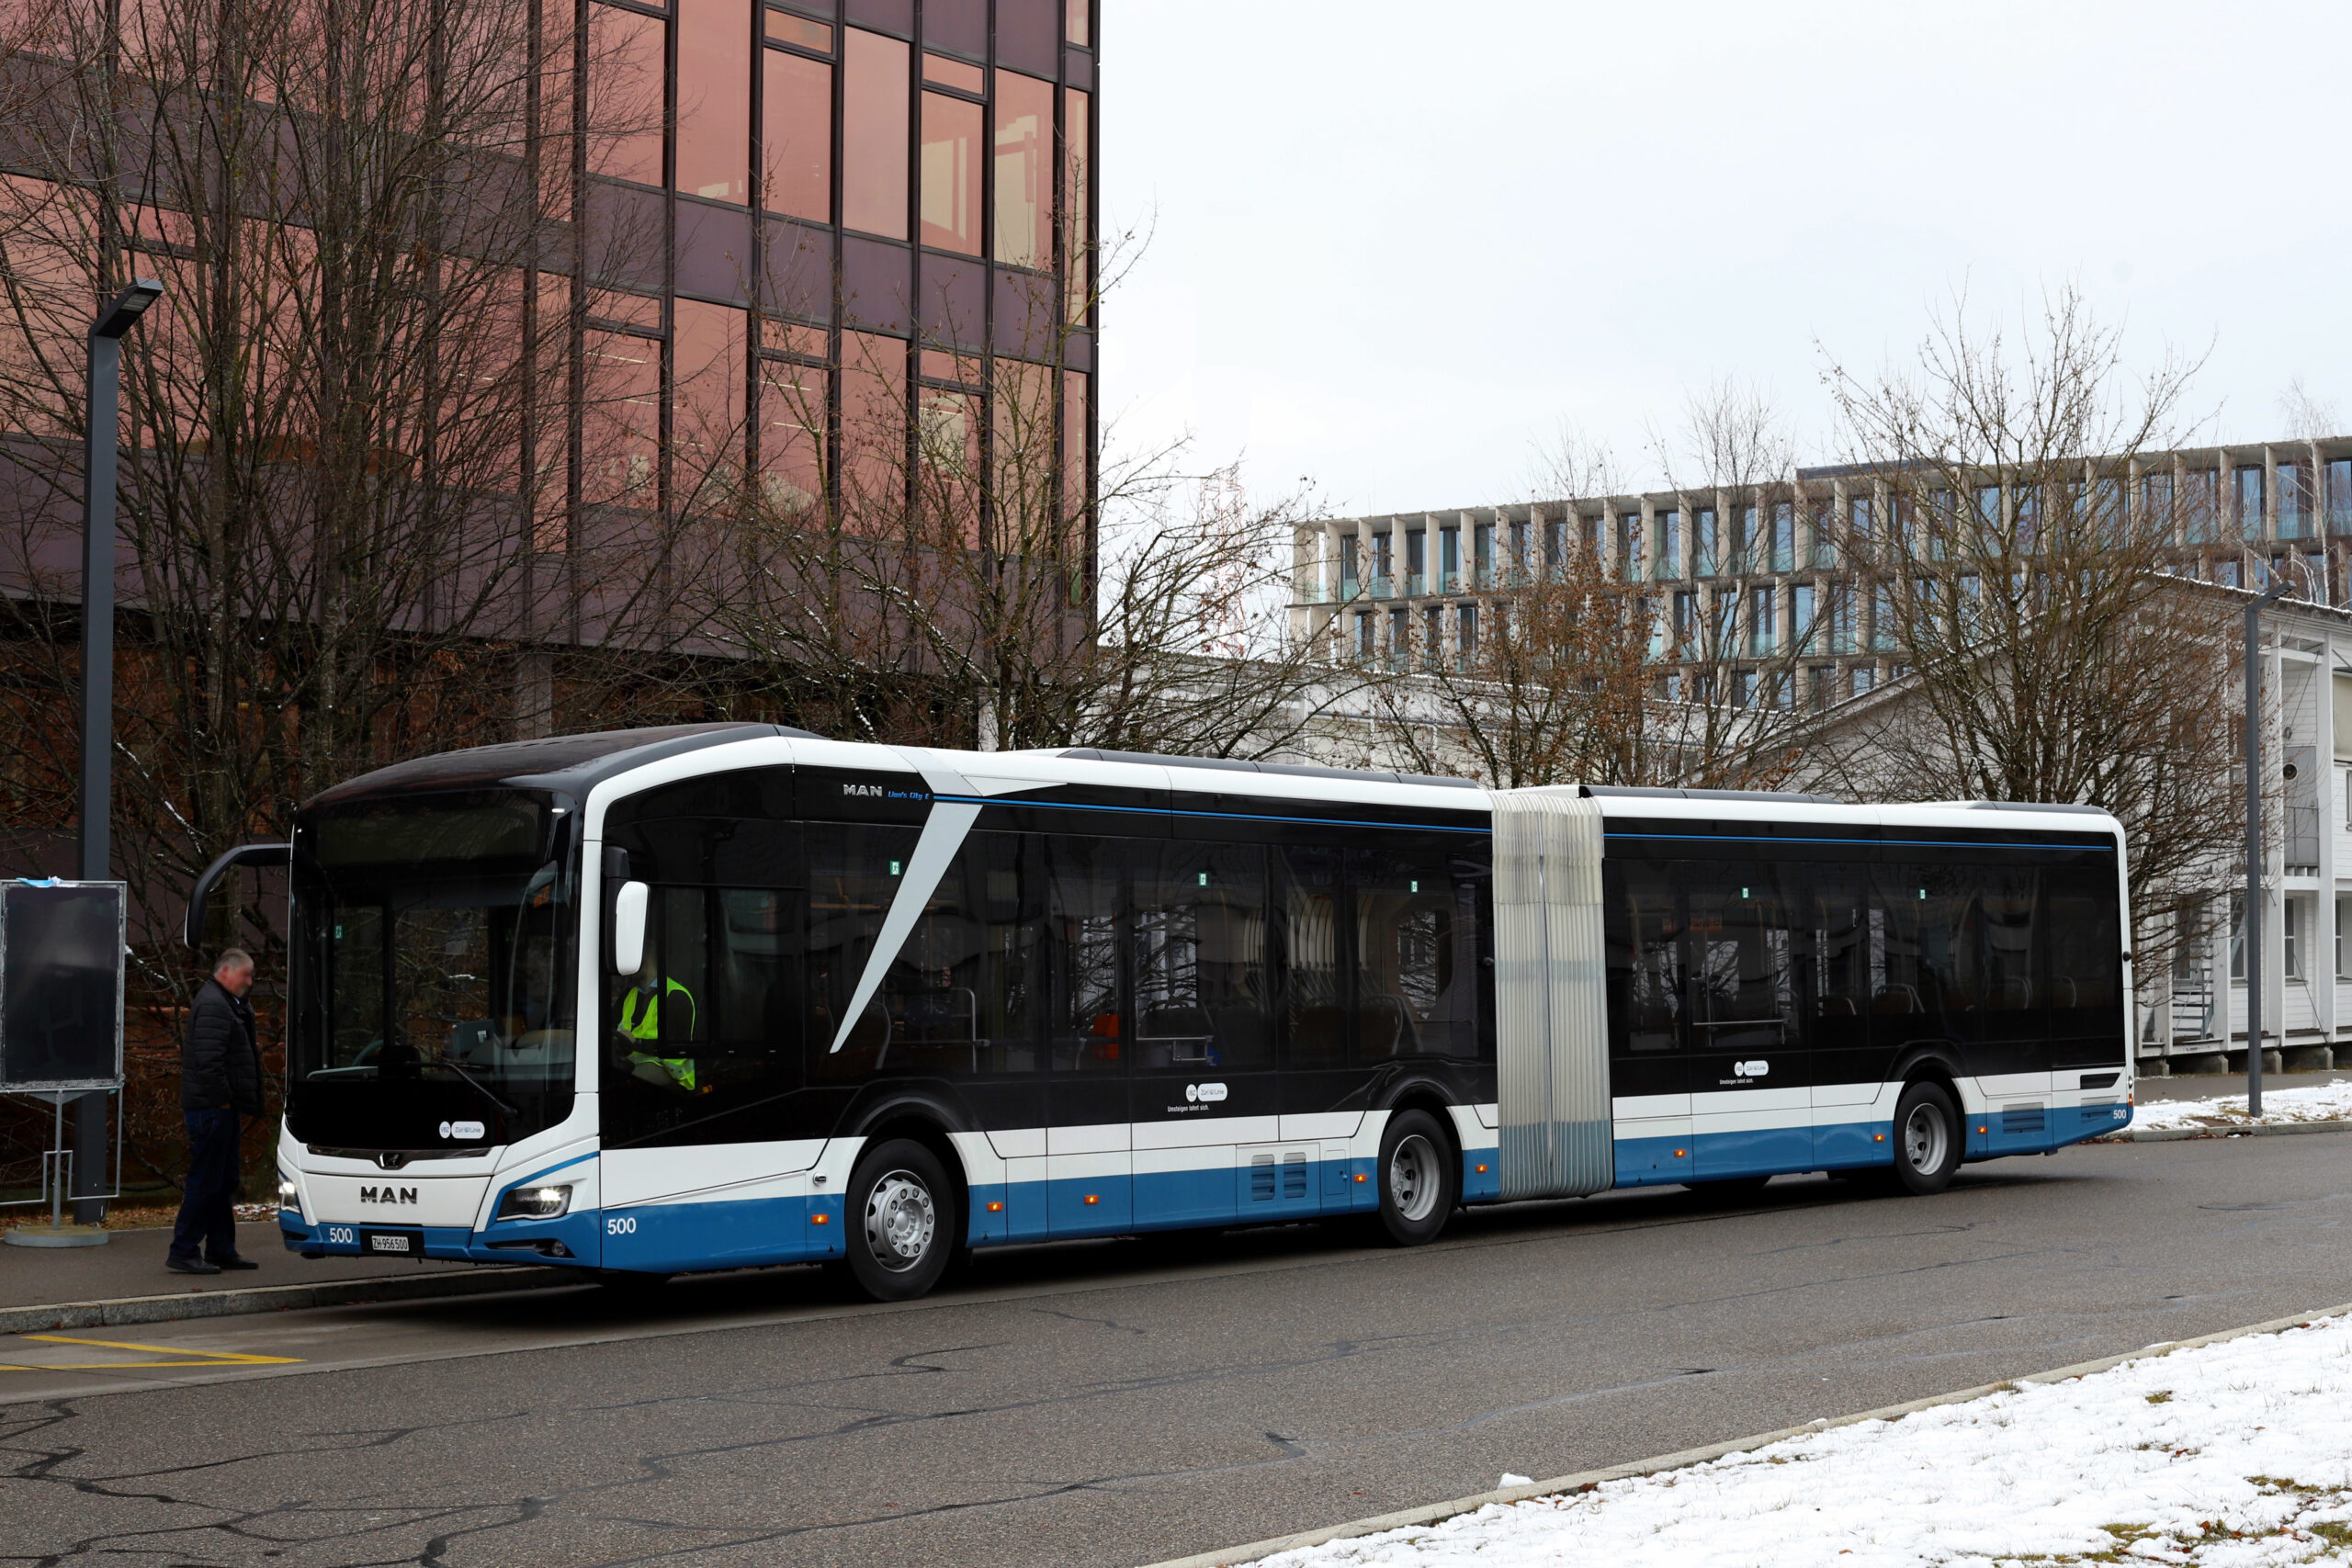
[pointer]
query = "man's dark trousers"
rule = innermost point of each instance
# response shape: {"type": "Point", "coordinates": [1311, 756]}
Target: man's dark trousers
{"type": "Point", "coordinates": [207, 1222]}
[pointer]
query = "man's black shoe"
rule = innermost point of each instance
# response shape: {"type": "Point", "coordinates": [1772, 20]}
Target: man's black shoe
{"type": "Point", "coordinates": [190, 1266]}
{"type": "Point", "coordinates": [234, 1263]}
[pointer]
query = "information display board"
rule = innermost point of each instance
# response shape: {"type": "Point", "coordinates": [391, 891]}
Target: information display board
{"type": "Point", "coordinates": [61, 985]}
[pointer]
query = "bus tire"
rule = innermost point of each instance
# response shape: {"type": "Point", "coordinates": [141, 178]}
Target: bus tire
{"type": "Point", "coordinates": [1420, 1176]}
{"type": "Point", "coordinates": [1927, 1141]}
{"type": "Point", "coordinates": [902, 1221]}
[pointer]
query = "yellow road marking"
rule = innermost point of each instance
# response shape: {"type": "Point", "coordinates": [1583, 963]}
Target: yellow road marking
{"type": "Point", "coordinates": [186, 1358]}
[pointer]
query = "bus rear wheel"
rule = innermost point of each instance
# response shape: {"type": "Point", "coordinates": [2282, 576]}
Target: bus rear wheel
{"type": "Point", "coordinates": [1928, 1141]}
{"type": "Point", "coordinates": [1421, 1179]}
{"type": "Point", "coordinates": [900, 1217]}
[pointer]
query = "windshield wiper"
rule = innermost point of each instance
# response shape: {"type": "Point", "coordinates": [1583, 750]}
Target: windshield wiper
{"type": "Point", "coordinates": [444, 1062]}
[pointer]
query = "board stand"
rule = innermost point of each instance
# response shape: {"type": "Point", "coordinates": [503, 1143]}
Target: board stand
{"type": "Point", "coordinates": [57, 1183]}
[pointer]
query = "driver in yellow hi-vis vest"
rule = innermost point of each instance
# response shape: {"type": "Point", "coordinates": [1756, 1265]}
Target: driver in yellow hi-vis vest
{"type": "Point", "coordinates": [641, 1019]}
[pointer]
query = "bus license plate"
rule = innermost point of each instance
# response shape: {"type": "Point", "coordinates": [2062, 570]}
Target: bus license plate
{"type": "Point", "coordinates": [399, 1241]}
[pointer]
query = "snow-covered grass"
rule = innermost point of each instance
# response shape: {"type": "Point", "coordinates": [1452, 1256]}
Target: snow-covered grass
{"type": "Point", "coordinates": [2328, 1103]}
{"type": "Point", "coordinates": [2235, 1455]}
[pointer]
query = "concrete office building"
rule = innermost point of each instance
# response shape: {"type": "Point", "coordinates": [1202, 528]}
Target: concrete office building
{"type": "Point", "coordinates": [1764, 560]}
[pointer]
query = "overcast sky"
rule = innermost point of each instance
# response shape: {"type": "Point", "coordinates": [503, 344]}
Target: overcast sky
{"type": "Point", "coordinates": [1396, 245]}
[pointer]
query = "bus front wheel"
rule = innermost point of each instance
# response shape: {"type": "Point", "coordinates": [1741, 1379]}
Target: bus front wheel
{"type": "Point", "coordinates": [1927, 1141]}
{"type": "Point", "coordinates": [902, 1221]}
{"type": "Point", "coordinates": [1421, 1179]}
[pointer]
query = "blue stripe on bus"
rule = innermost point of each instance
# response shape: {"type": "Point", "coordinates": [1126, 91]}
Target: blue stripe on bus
{"type": "Point", "coordinates": [1858, 843]}
{"type": "Point", "coordinates": [1219, 816]}
{"type": "Point", "coordinates": [747, 1232]}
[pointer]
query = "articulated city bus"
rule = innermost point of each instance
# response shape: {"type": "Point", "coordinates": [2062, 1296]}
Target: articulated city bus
{"type": "Point", "coordinates": [666, 1000]}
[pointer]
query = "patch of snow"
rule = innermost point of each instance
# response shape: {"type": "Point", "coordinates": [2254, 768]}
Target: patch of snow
{"type": "Point", "coordinates": [2328, 1103]}
{"type": "Point", "coordinates": [2236, 1455]}
{"type": "Point", "coordinates": [1511, 1480]}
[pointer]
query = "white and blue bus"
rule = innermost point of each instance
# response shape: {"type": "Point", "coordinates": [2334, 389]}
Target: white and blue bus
{"type": "Point", "coordinates": [657, 1001]}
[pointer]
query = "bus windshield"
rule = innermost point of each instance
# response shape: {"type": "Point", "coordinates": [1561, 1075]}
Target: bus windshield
{"type": "Point", "coordinates": [434, 972]}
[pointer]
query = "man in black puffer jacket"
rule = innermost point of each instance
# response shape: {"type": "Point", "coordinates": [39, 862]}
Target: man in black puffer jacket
{"type": "Point", "coordinates": [219, 1084]}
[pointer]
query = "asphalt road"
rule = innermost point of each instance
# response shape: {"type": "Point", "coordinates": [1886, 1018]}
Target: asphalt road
{"type": "Point", "coordinates": [1121, 1403]}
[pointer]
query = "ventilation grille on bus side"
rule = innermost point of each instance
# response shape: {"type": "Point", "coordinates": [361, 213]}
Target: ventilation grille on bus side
{"type": "Point", "coordinates": [2016, 1119]}
{"type": "Point", "coordinates": [1263, 1180]}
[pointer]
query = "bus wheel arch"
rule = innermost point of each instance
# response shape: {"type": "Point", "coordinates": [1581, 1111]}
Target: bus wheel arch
{"type": "Point", "coordinates": [920, 1124]}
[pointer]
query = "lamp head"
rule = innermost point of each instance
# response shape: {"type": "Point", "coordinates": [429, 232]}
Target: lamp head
{"type": "Point", "coordinates": [123, 311]}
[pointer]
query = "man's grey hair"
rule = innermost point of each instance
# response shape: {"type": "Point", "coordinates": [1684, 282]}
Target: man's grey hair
{"type": "Point", "coordinates": [232, 958]}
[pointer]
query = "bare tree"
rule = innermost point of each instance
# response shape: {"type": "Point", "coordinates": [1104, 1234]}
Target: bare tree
{"type": "Point", "coordinates": [1731, 438]}
{"type": "Point", "coordinates": [954, 579]}
{"type": "Point", "coordinates": [2307, 416]}
{"type": "Point", "coordinates": [1568, 465]}
{"type": "Point", "coordinates": [2014, 556]}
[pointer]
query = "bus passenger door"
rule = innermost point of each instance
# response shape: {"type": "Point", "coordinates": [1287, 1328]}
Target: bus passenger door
{"type": "Point", "coordinates": [1090, 1162]}
{"type": "Point", "coordinates": [1203, 1076]}
{"type": "Point", "coordinates": [1852, 1101]}
{"type": "Point", "coordinates": [1649, 1082]}
{"type": "Point", "coordinates": [1751, 1107]}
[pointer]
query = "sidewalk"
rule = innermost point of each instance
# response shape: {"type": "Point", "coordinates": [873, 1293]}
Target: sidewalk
{"type": "Point", "coordinates": [2207, 1086]}
{"type": "Point", "coordinates": [125, 1281]}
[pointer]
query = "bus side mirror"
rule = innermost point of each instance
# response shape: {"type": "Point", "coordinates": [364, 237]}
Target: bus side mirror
{"type": "Point", "coordinates": [629, 928]}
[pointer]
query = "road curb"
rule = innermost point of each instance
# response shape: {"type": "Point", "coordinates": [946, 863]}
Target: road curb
{"type": "Point", "coordinates": [127, 1310]}
{"type": "Point", "coordinates": [2183, 1135]}
{"type": "Point", "coordinates": [1585, 1481]}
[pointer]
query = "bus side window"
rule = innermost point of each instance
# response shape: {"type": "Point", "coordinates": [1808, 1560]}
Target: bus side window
{"type": "Point", "coordinates": [2007, 980]}
{"type": "Point", "coordinates": [2086, 952]}
{"type": "Point", "coordinates": [1416, 981]}
{"type": "Point", "coordinates": [853, 875]}
{"type": "Point", "coordinates": [1315, 1017]}
{"type": "Point", "coordinates": [1085, 893]}
{"type": "Point", "coordinates": [1202, 996]}
{"type": "Point", "coordinates": [1644, 925]}
{"type": "Point", "coordinates": [961, 993]}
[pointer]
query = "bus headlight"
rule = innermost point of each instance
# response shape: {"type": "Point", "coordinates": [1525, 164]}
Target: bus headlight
{"type": "Point", "coordinates": [289, 1196]}
{"type": "Point", "coordinates": [534, 1204]}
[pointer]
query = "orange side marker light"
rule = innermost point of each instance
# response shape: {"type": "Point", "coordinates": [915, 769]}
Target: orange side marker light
{"type": "Point", "coordinates": [1092, 1199]}
{"type": "Point", "coordinates": [1482, 1171]}
{"type": "Point", "coordinates": [821, 1219]}
{"type": "Point", "coordinates": [1360, 1176]}
{"type": "Point", "coordinates": [996, 1208]}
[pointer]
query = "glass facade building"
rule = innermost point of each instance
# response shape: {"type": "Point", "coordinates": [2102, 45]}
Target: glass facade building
{"type": "Point", "coordinates": [876, 230]}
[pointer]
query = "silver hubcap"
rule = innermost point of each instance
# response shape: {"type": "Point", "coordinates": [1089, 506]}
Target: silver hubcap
{"type": "Point", "coordinates": [900, 1219]}
{"type": "Point", "coordinates": [1924, 1137]}
{"type": "Point", "coordinates": [1413, 1177]}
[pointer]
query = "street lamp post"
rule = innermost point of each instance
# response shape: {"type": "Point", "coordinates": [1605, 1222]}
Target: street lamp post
{"type": "Point", "coordinates": [2256, 969]}
{"type": "Point", "coordinates": [94, 853]}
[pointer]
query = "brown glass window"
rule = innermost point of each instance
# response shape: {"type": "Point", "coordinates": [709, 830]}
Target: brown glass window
{"type": "Point", "coordinates": [874, 427]}
{"type": "Point", "coordinates": [1076, 430]}
{"type": "Point", "coordinates": [1025, 141]}
{"type": "Point", "coordinates": [800, 31]}
{"type": "Point", "coordinates": [622, 426]}
{"type": "Point", "coordinates": [710, 348]}
{"type": "Point", "coordinates": [951, 173]}
{"type": "Point", "coordinates": [873, 134]}
{"type": "Point", "coordinates": [942, 71]}
{"type": "Point", "coordinates": [1075, 217]}
{"type": "Point", "coordinates": [714, 99]}
{"type": "Point", "coordinates": [1074, 21]}
{"type": "Point", "coordinates": [625, 52]}
{"type": "Point", "coordinates": [791, 435]}
{"type": "Point", "coordinates": [797, 136]}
